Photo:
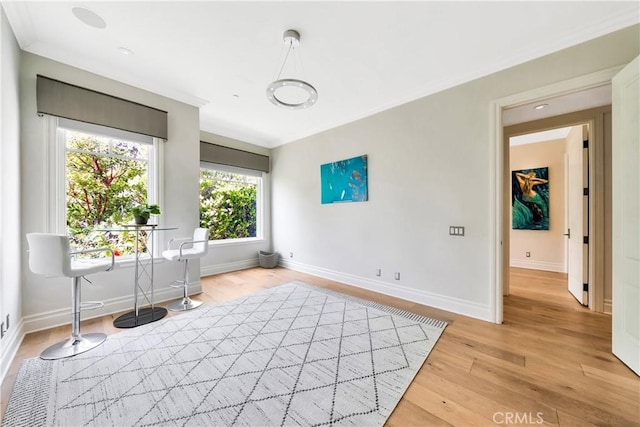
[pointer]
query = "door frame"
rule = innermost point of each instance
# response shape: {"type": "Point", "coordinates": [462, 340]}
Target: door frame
{"type": "Point", "coordinates": [499, 270]}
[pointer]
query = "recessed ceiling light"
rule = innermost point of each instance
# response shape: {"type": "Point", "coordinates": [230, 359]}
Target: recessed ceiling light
{"type": "Point", "coordinates": [88, 17]}
{"type": "Point", "coordinates": [125, 51]}
{"type": "Point", "coordinates": [540, 106]}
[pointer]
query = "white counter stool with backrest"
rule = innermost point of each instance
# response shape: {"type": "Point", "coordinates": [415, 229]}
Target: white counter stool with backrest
{"type": "Point", "coordinates": [51, 255]}
{"type": "Point", "coordinates": [183, 250]}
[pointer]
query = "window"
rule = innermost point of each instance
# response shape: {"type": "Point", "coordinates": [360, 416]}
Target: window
{"type": "Point", "coordinates": [230, 202]}
{"type": "Point", "coordinates": [106, 172]}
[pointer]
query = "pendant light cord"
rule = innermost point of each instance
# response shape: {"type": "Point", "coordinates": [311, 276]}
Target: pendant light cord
{"type": "Point", "coordinates": [285, 60]}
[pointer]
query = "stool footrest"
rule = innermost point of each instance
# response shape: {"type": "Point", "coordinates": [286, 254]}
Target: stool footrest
{"type": "Point", "coordinates": [91, 305]}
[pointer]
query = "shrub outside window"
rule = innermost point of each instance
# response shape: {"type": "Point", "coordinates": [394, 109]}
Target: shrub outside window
{"type": "Point", "coordinates": [230, 203]}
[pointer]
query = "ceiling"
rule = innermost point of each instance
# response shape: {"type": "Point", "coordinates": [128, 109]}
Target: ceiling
{"type": "Point", "coordinates": [544, 136]}
{"type": "Point", "coordinates": [362, 57]}
{"type": "Point", "coordinates": [576, 101]}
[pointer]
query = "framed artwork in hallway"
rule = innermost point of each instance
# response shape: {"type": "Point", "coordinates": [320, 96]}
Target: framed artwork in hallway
{"type": "Point", "coordinates": [530, 199]}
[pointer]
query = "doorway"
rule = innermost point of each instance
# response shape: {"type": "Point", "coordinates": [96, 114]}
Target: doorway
{"type": "Point", "coordinates": [549, 209]}
{"type": "Point", "coordinates": [501, 208]}
{"type": "Point", "coordinates": [591, 281]}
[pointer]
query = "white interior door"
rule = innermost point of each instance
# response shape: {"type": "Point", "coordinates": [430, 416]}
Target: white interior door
{"type": "Point", "coordinates": [626, 215]}
{"type": "Point", "coordinates": [575, 213]}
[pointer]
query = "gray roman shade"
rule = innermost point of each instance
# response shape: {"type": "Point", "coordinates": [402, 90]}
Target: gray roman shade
{"type": "Point", "coordinates": [212, 153]}
{"type": "Point", "coordinates": [64, 100]}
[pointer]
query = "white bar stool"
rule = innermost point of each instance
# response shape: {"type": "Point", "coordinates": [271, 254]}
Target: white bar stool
{"type": "Point", "coordinates": [50, 255]}
{"type": "Point", "coordinates": [183, 250]}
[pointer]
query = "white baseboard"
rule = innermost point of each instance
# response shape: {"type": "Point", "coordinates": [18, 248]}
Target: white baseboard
{"type": "Point", "coordinates": [443, 302]}
{"type": "Point", "coordinates": [608, 306]}
{"type": "Point", "coordinates": [209, 270]}
{"type": "Point", "coordinates": [13, 341]}
{"type": "Point", "coordinates": [53, 318]}
{"type": "Point", "coordinates": [538, 265]}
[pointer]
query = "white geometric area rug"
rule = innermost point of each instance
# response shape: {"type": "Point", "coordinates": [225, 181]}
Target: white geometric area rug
{"type": "Point", "coordinates": [294, 354]}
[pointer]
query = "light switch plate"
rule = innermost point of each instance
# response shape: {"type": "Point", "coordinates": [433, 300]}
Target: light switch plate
{"type": "Point", "coordinates": [456, 230]}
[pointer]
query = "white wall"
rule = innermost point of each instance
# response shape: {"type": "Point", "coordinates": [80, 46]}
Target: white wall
{"type": "Point", "coordinates": [229, 256]}
{"type": "Point", "coordinates": [547, 248]}
{"type": "Point", "coordinates": [46, 301]}
{"type": "Point", "coordinates": [430, 166]}
{"type": "Point", "coordinates": [10, 258]}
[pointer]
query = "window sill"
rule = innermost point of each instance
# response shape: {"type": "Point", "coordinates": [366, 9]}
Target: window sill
{"type": "Point", "coordinates": [237, 242]}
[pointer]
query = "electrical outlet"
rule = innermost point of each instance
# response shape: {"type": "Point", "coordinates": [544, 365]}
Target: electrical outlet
{"type": "Point", "coordinates": [290, 254]}
{"type": "Point", "coordinates": [378, 272]}
{"type": "Point", "coordinates": [397, 276]}
{"type": "Point", "coordinates": [528, 254]}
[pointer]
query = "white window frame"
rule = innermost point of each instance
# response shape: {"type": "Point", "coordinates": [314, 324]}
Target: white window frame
{"type": "Point", "coordinates": [56, 215]}
{"type": "Point", "coordinates": [259, 202]}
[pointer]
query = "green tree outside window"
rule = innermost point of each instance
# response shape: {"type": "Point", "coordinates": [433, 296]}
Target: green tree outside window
{"type": "Point", "coordinates": [228, 204]}
{"type": "Point", "coordinates": [104, 178]}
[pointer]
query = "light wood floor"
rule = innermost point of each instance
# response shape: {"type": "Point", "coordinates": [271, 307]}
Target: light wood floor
{"type": "Point", "coordinates": [549, 362]}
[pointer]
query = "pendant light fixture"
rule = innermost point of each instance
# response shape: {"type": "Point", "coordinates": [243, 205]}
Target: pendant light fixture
{"type": "Point", "coordinates": [291, 93]}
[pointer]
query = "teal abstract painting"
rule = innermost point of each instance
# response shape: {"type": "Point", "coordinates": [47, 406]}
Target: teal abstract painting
{"type": "Point", "coordinates": [530, 199]}
{"type": "Point", "coordinates": [344, 181]}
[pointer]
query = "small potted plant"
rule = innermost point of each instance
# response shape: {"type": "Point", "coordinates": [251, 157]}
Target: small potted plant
{"type": "Point", "coordinates": [141, 213]}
